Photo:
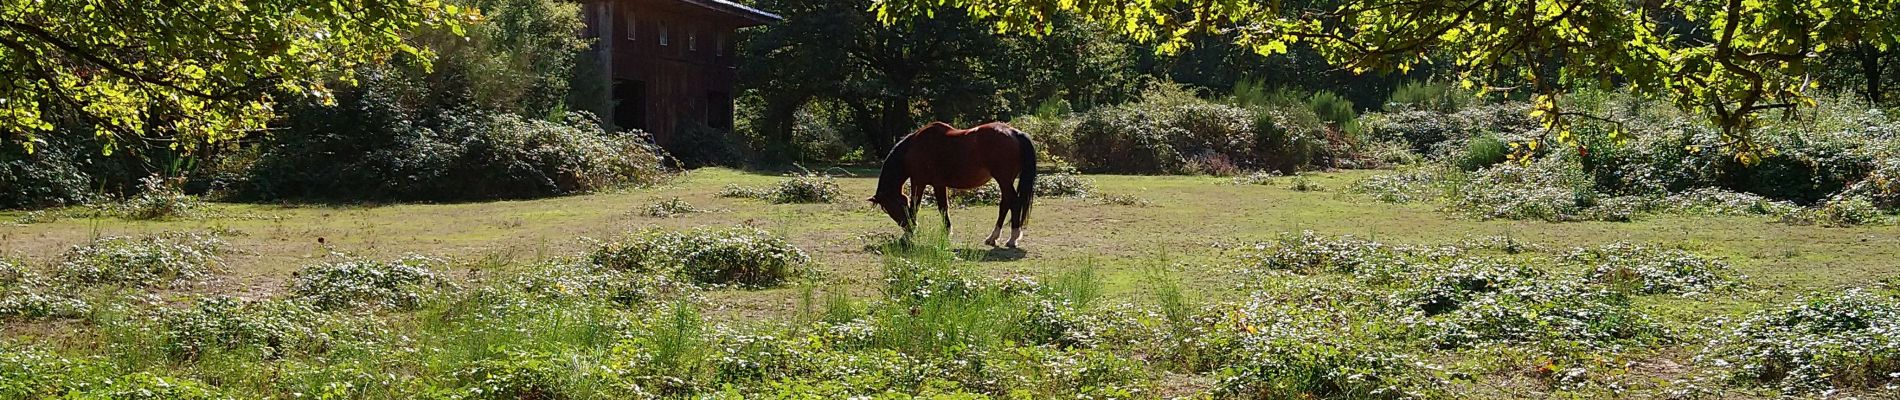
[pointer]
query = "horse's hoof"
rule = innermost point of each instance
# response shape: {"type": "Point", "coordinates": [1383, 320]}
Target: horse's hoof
{"type": "Point", "coordinates": [991, 243]}
{"type": "Point", "coordinates": [1012, 245]}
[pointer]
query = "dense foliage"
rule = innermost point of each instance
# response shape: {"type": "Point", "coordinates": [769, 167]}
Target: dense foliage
{"type": "Point", "coordinates": [1828, 161]}
{"type": "Point", "coordinates": [1729, 61]}
{"type": "Point", "coordinates": [213, 70]}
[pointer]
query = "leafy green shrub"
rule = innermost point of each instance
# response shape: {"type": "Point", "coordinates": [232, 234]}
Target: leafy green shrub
{"type": "Point", "coordinates": [1821, 343]}
{"type": "Point", "coordinates": [1172, 131]}
{"type": "Point", "coordinates": [162, 260]}
{"type": "Point", "coordinates": [1321, 364]}
{"type": "Point", "coordinates": [1257, 178]}
{"type": "Point", "coordinates": [807, 187]}
{"type": "Point", "coordinates": [1652, 270]}
{"type": "Point", "coordinates": [1881, 186]}
{"type": "Point", "coordinates": [746, 257]}
{"type": "Point", "coordinates": [53, 175]}
{"type": "Point", "coordinates": [1447, 288]}
{"type": "Point", "coordinates": [24, 294]}
{"type": "Point", "coordinates": [461, 156]}
{"type": "Point", "coordinates": [148, 386]}
{"type": "Point", "coordinates": [1040, 372]}
{"type": "Point", "coordinates": [1064, 185]}
{"type": "Point", "coordinates": [1403, 187]}
{"type": "Point", "coordinates": [1309, 253]}
{"type": "Point", "coordinates": [1059, 184]}
{"type": "Point", "coordinates": [1715, 201]}
{"type": "Point", "coordinates": [669, 208]}
{"type": "Point", "coordinates": [1303, 184]}
{"type": "Point", "coordinates": [1117, 199]}
{"type": "Point", "coordinates": [1471, 302]}
{"type": "Point", "coordinates": [1847, 211]}
{"type": "Point", "coordinates": [1549, 190]}
{"type": "Point", "coordinates": [513, 375]}
{"type": "Point", "coordinates": [1287, 139]}
{"type": "Point", "coordinates": [352, 283]}
{"type": "Point", "coordinates": [1427, 132]}
{"type": "Point", "coordinates": [267, 329]}
{"type": "Point", "coordinates": [1123, 139]}
{"type": "Point", "coordinates": [159, 199]}
{"type": "Point", "coordinates": [1553, 314]}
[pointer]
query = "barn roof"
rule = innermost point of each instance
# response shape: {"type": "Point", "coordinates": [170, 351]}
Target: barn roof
{"type": "Point", "coordinates": [727, 6]}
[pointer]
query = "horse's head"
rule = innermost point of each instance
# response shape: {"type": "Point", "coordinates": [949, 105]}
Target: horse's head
{"type": "Point", "coordinates": [894, 205]}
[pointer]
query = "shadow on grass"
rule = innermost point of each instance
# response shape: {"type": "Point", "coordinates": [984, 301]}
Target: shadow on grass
{"type": "Point", "coordinates": [992, 254]}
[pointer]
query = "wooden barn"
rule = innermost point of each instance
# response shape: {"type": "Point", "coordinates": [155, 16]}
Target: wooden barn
{"type": "Point", "coordinates": [671, 62]}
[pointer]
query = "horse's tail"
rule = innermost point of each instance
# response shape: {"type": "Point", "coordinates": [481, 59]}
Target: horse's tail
{"type": "Point", "coordinates": [1026, 187]}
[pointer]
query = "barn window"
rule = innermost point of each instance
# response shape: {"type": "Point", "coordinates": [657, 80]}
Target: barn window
{"type": "Point", "coordinates": [692, 39]}
{"type": "Point", "coordinates": [719, 44]}
{"type": "Point", "coordinates": [633, 27]}
{"type": "Point", "coordinates": [663, 35]}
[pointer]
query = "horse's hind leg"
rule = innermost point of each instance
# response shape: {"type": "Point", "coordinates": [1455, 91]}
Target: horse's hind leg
{"type": "Point", "coordinates": [943, 207]}
{"type": "Point", "coordinates": [1006, 202]}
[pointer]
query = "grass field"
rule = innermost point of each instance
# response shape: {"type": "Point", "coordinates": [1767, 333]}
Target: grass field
{"type": "Point", "coordinates": [1189, 225]}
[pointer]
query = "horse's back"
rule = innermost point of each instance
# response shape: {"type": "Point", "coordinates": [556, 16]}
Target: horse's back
{"type": "Point", "coordinates": [966, 158]}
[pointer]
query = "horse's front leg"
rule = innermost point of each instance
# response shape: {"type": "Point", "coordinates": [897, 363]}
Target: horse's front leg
{"type": "Point", "coordinates": [916, 200]}
{"type": "Point", "coordinates": [943, 207]}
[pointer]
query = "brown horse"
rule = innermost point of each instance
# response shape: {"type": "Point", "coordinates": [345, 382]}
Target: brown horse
{"type": "Point", "coordinates": [943, 157]}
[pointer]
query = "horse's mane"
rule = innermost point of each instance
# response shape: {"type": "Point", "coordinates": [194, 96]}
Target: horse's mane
{"type": "Point", "coordinates": [890, 179]}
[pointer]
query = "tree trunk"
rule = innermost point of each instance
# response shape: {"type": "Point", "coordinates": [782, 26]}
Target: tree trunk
{"type": "Point", "coordinates": [1870, 69]}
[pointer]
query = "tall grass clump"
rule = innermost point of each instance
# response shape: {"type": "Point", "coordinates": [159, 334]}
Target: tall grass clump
{"type": "Point", "coordinates": [744, 257]}
{"type": "Point", "coordinates": [1429, 96]}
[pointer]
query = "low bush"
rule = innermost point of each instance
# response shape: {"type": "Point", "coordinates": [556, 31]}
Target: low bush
{"type": "Point", "coordinates": [669, 208]}
{"type": "Point", "coordinates": [1846, 211]}
{"type": "Point", "coordinates": [1121, 200]}
{"type": "Point", "coordinates": [1060, 184]}
{"type": "Point", "coordinates": [513, 375]}
{"type": "Point", "coordinates": [1713, 201]}
{"type": "Point", "coordinates": [1304, 184]}
{"type": "Point", "coordinates": [1553, 314]}
{"type": "Point", "coordinates": [1287, 350]}
{"type": "Point", "coordinates": [460, 156]}
{"type": "Point", "coordinates": [745, 257]}
{"type": "Point", "coordinates": [267, 329]}
{"type": "Point", "coordinates": [1416, 184]}
{"type": "Point", "coordinates": [353, 283]}
{"type": "Point", "coordinates": [164, 260]}
{"type": "Point", "coordinates": [807, 187]}
{"type": "Point", "coordinates": [1172, 131]}
{"type": "Point", "coordinates": [1819, 344]}
{"type": "Point", "coordinates": [158, 199]}
{"type": "Point", "coordinates": [1309, 253]}
{"type": "Point", "coordinates": [25, 294]}
{"type": "Point", "coordinates": [1064, 185]}
{"type": "Point", "coordinates": [50, 176]}
{"type": "Point", "coordinates": [1652, 270]}
{"type": "Point", "coordinates": [1549, 190]}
